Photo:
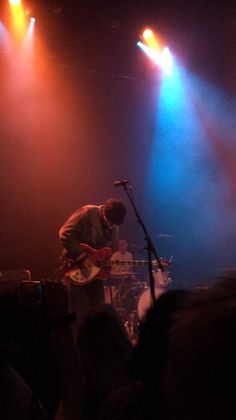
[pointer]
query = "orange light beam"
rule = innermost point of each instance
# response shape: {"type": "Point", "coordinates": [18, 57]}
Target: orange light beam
{"type": "Point", "coordinates": [18, 16]}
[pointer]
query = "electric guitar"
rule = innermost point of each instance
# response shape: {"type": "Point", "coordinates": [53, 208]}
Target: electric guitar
{"type": "Point", "coordinates": [97, 264]}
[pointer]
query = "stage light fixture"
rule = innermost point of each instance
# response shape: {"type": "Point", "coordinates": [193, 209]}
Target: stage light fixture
{"type": "Point", "coordinates": [160, 56]}
{"type": "Point", "coordinates": [31, 25]}
{"type": "Point", "coordinates": [151, 39]}
{"type": "Point", "coordinates": [147, 33]}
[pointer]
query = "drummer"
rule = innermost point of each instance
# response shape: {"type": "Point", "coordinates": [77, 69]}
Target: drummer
{"type": "Point", "coordinates": [121, 255]}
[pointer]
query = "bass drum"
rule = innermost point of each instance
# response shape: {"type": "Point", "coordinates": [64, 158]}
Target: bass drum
{"type": "Point", "coordinates": [131, 295]}
{"type": "Point", "coordinates": [144, 302]}
{"type": "Point", "coordinates": [161, 278]}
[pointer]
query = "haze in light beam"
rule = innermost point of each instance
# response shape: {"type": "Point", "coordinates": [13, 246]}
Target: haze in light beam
{"type": "Point", "coordinates": [5, 39]}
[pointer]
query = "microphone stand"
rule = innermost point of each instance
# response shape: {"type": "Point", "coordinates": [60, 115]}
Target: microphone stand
{"type": "Point", "coordinates": [150, 247]}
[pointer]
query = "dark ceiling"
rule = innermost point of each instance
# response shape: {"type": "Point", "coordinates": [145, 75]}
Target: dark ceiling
{"type": "Point", "coordinates": [101, 36]}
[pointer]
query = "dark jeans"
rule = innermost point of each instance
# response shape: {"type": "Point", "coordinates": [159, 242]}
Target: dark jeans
{"type": "Point", "coordinates": [84, 298]}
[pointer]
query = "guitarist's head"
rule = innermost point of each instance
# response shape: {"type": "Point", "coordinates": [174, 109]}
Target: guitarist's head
{"type": "Point", "coordinates": [114, 211]}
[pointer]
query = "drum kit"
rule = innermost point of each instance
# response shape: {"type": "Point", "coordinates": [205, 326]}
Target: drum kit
{"type": "Point", "coordinates": [131, 297]}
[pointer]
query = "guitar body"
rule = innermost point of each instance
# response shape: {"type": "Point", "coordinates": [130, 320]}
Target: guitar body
{"type": "Point", "coordinates": [97, 265]}
{"type": "Point", "coordinates": [94, 266]}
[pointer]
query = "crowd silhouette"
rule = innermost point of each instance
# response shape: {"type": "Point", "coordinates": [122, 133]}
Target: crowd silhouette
{"type": "Point", "coordinates": [181, 367]}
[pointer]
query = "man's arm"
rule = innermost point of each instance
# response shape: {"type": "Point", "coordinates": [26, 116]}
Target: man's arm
{"type": "Point", "coordinates": [70, 232]}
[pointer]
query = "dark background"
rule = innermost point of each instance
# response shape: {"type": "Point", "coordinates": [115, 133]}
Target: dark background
{"type": "Point", "coordinates": [87, 118]}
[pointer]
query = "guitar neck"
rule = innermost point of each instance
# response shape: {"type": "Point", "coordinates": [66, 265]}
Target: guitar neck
{"type": "Point", "coordinates": [131, 263]}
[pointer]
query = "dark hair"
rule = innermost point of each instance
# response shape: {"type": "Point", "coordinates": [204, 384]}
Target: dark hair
{"type": "Point", "coordinates": [114, 211]}
{"type": "Point", "coordinates": [201, 356]}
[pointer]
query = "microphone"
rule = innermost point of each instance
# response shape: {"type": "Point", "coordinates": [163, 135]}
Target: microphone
{"type": "Point", "coordinates": [122, 182]}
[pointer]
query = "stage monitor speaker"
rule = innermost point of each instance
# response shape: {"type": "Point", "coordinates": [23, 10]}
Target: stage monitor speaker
{"type": "Point", "coordinates": [9, 280]}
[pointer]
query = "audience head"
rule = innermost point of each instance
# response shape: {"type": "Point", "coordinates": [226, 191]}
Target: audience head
{"type": "Point", "coordinates": [199, 380]}
{"type": "Point", "coordinates": [105, 348]}
{"type": "Point", "coordinates": [149, 356]}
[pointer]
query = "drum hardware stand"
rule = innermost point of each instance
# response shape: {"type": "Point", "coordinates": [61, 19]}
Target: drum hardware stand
{"type": "Point", "coordinates": [131, 326]}
{"type": "Point", "coordinates": [149, 245]}
{"type": "Point", "coordinates": [110, 294]}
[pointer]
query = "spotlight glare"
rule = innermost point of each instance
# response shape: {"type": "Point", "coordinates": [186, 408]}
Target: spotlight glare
{"type": "Point", "coordinates": [147, 34]}
{"type": "Point", "coordinates": [151, 40]}
{"type": "Point", "coordinates": [15, 2]}
{"type": "Point", "coordinates": [31, 27]}
{"type": "Point", "coordinates": [153, 55]}
{"type": "Point", "coordinates": [28, 41]}
{"type": "Point", "coordinates": [18, 18]}
{"type": "Point", "coordinates": [166, 61]}
{"type": "Point", "coordinates": [163, 59]}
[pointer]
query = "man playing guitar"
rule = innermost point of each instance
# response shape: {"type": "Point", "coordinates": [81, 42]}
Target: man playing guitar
{"type": "Point", "coordinates": [95, 226]}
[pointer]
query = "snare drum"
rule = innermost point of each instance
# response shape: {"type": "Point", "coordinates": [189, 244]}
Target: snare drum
{"type": "Point", "coordinates": [144, 302]}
